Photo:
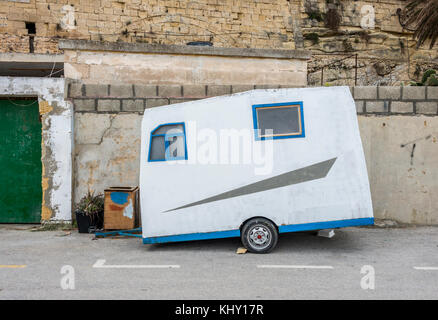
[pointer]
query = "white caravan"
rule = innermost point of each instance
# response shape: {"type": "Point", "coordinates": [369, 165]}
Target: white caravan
{"type": "Point", "coordinates": [253, 165]}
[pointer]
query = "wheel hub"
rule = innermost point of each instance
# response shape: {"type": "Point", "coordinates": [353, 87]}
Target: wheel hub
{"type": "Point", "coordinates": [259, 237]}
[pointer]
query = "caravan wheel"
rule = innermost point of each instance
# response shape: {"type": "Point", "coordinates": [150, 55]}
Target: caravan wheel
{"type": "Point", "coordinates": [259, 235]}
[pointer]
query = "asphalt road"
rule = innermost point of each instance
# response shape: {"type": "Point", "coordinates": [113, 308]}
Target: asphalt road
{"type": "Point", "coordinates": [43, 264]}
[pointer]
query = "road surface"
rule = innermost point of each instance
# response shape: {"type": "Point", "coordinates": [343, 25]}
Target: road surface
{"type": "Point", "coordinates": [357, 263]}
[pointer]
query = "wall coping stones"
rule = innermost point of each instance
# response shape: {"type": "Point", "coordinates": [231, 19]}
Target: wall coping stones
{"type": "Point", "coordinates": [135, 105]}
{"type": "Point", "coordinates": [192, 90]}
{"type": "Point", "coordinates": [376, 106]}
{"type": "Point", "coordinates": [170, 91]}
{"type": "Point", "coordinates": [135, 98]}
{"type": "Point", "coordinates": [145, 90]}
{"type": "Point", "coordinates": [430, 107]}
{"type": "Point", "coordinates": [92, 90]}
{"type": "Point", "coordinates": [397, 100]}
{"type": "Point", "coordinates": [151, 103]}
{"type": "Point", "coordinates": [365, 93]}
{"type": "Point", "coordinates": [111, 105]}
{"type": "Point", "coordinates": [219, 90]}
{"type": "Point", "coordinates": [432, 92]}
{"type": "Point", "coordinates": [360, 106]}
{"type": "Point", "coordinates": [85, 105]}
{"type": "Point", "coordinates": [391, 93]}
{"type": "Point", "coordinates": [122, 91]}
{"type": "Point", "coordinates": [414, 93]}
{"type": "Point", "coordinates": [241, 88]}
{"type": "Point", "coordinates": [402, 107]}
{"type": "Point", "coordinates": [87, 45]}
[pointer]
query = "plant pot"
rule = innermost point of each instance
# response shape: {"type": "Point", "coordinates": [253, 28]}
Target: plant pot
{"type": "Point", "coordinates": [86, 224]}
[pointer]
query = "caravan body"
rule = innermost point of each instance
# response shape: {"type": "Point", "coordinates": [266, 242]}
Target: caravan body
{"type": "Point", "coordinates": [202, 175]}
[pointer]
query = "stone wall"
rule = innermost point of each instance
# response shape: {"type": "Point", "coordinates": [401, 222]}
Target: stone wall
{"type": "Point", "coordinates": [386, 51]}
{"type": "Point", "coordinates": [397, 129]}
{"type": "Point", "coordinates": [255, 24]}
{"type": "Point", "coordinates": [396, 100]}
{"type": "Point", "coordinates": [370, 100]}
{"type": "Point", "coordinates": [100, 98]}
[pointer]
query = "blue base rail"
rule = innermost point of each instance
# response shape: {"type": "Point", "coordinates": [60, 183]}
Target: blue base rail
{"type": "Point", "coordinates": [282, 229]}
{"type": "Point", "coordinates": [129, 233]}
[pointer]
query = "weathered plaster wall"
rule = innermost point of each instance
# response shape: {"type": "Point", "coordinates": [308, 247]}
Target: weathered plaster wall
{"type": "Point", "coordinates": [93, 62]}
{"type": "Point", "coordinates": [57, 140]}
{"type": "Point", "coordinates": [176, 69]}
{"type": "Point", "coordinates": [107, 151]}
{"type": "Point", "coordinates": [402, 155]}
{"type": "Point", "coordinates": [404, 181]}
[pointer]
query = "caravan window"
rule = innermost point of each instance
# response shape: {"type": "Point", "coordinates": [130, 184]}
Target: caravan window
{"type": "Point", "coordinates": [278, 121]}
{"type": "Point", "coordinates": [168, 142]}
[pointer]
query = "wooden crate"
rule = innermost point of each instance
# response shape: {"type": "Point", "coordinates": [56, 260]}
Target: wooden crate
{"type": "Point", "coordinates": [121, 208]}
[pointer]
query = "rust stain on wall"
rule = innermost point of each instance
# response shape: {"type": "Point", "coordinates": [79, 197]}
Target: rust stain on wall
{"type": "Point", "coordinates": [46, 181]}
{"type": "Point", "coordinates": [44, 107]}
{"type": "Point", "coordinates": [46, 213]}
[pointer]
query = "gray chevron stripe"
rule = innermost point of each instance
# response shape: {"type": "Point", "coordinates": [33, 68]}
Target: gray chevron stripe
{"type": "Point", "coordinates": [315, 171]}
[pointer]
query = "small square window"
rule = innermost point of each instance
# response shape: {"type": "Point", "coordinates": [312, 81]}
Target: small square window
{"type": "Point", "coordinates": [278, 121]}
{"type": "Point", "coordinates": [168, 142]}
{"type": "Point", "coordinates": [157, 150]}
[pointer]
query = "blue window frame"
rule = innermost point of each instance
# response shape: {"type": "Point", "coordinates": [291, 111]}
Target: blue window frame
{"type": "Point", "coordinates": [286, 120]}
{"type": "Point", "coordinates": [168, 142]}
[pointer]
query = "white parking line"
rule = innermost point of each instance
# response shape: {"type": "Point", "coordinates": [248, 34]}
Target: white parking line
{"type": "Point", "coordinates": [285, 266]}
{"type": "Point", "coordinates": [426, 268]}
{"type": "Point", "coordinates": [101, 264]}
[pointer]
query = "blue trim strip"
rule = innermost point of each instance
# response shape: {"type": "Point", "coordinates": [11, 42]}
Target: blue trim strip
{"type": "Point", "coordinates": [255, 122]}
{"type": "Point", "coordinates": [281, 229]}
{"type": "Point", "coordinates": [326, 225]}
{"type": "Point", "coordinates": [194, 236]}
{"type": "Point", "coordinates": [165, 124]}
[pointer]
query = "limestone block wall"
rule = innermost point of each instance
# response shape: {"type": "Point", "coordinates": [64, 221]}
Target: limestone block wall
{"type": "Point", "coordinates": [256, 24]}
{"type": "Point", "coordinates": [409, 100]}
{"type": "Point", "coordinates": [387, 53]}
{"type": "Point", "coordinates": [398, 130]}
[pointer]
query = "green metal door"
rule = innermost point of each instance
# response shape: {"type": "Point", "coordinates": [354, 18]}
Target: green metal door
{"type": "Point", "coordinates": [20, 161]}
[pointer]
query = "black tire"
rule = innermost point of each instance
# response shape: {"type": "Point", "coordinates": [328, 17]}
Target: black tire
{"type": "Point", "coordinates": [259, 235]}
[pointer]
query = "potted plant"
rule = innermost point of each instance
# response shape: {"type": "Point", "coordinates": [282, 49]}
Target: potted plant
{"type": "Point", "coordinates": [89, 213]}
